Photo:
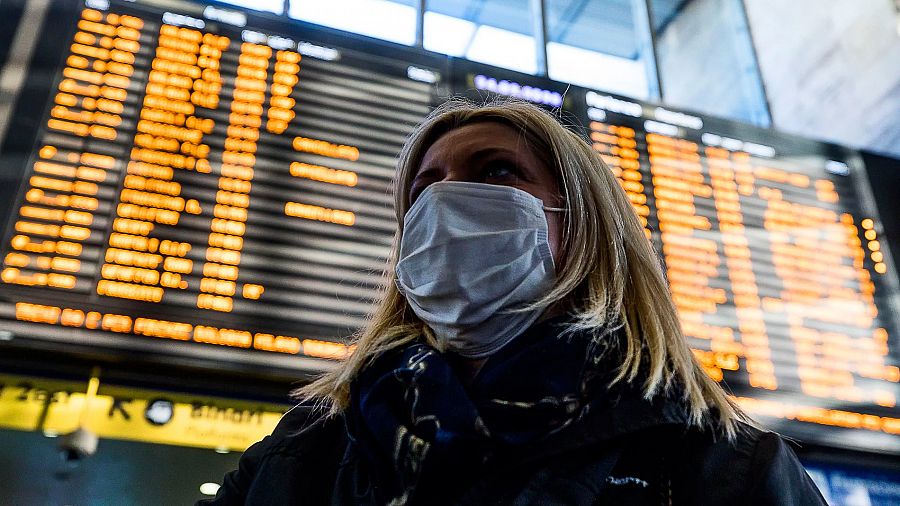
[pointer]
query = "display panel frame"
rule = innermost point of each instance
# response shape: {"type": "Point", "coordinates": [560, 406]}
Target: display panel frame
{"type": "Point", "coordinates": [571, 105]}
{"type": "Point", "coordinates": [364, 52]}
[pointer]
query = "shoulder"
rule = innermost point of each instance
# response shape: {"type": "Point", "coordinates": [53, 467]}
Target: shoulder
{"type": "Point", "coordinates": [299, 427]}
{"type": "Point", "coordinates": [305, 445]}
{"type": "Point", "coordinates": [756, 467]}
{"type": "Point", "coordinates": [306, 429]}
{"type": "Point", "coordinates": [302, 419]}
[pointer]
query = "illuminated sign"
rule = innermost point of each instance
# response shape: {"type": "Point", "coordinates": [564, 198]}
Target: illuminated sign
{"type": "Point", "coordinates": [213, 185]}
{"type": "Point", "coordinates": [57, 408]}
{"type": "Point", "coordinates": [772, 264]}
{"type": "Point", "coordinates": [514, 89]}
{"type": "Point", "coordinates": [231, 17]}
{"type": "Point", "coordinates": [612, 104]}
{"type": "Point", "coordinates": [316, 51]}
{"type": "Point", "coordinates": [677, 118]}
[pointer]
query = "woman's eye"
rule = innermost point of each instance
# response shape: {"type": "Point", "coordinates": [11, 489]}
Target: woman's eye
{"type": "Point", "coordinates": [497, 170]}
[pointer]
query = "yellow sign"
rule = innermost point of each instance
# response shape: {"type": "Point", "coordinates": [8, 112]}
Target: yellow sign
{"type": "Point", "coordinates": [135, 414]}
{"type": "Point", "coordinates": [25, 402]}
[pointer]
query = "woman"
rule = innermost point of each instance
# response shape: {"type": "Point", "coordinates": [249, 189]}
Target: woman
{"type": "Point", "coordinates": [526, 350]}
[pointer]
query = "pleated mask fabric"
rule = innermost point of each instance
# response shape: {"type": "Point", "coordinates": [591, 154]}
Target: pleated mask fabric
{"type": "Point", "coordinates": [472, 254]}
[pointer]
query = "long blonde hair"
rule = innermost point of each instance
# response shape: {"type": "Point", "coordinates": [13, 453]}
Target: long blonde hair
{"type": "Point", "coordinates": [608, 273]}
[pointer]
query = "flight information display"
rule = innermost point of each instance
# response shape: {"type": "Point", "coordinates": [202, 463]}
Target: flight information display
{"type": "Point", "coordinates": [195, 179]}
{"type": "Point", "coordinates": [771, 263]}
{"type": "Point", "coordinates": [774, 261]}
{"type": "Point", "coordinates": [198, 181]}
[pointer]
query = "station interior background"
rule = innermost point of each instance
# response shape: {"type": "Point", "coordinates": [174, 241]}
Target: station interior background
{"type": "Point", "coordinates": [823, 70]}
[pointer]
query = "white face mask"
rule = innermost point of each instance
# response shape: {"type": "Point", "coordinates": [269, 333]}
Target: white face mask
{"type": "Point", "coordinates": [470, 253]}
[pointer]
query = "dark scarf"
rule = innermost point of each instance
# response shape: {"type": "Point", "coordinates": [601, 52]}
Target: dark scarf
{"type": "Point", "coordinates": [424, 436]}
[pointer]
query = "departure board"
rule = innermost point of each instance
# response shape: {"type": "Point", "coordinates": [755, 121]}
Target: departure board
{"type": "Point", "coordinates": [199, 182]}
{"type": "Point", "coordinates": [197, 179]}
{"type": "Point", "coordinates": [776, 266]}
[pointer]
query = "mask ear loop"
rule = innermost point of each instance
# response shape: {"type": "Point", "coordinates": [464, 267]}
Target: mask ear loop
{"type": "Point", "coordinates": [555, 209]}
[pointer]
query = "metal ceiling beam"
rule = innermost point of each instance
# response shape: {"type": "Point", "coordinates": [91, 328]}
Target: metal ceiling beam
{"type": "Point", "coordinates": [646, 45]}
{"type": "Point", "coordinates": [567, 19]}
{"type": "Point", "coordinates": [539, 21]}
{"type": "Point", "coordinates": [473, 12]}
{"type": "Point", "coordinates": [674, 13]}
{"type": "Point", "coordinates": [420, 23]}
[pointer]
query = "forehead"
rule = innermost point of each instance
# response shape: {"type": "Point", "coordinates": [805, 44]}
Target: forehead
{"type": "Point", "coordinates": [460, 143]}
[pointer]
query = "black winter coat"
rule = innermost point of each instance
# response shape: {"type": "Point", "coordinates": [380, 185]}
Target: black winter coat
{"type": "Point", "coordinates": [309, 460]}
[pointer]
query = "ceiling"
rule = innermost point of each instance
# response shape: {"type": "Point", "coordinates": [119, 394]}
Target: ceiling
{"type": "Point", "coordinates": [606, 26]}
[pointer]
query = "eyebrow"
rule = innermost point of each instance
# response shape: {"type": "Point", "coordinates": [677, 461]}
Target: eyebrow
{"type": "Point", "coordinates": [491, 151]}
{"type": "Point", "coordinates": [480, 153]}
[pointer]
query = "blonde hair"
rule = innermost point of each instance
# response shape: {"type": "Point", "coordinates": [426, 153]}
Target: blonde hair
{"type": "Point", "coordinates": [609, 273]}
